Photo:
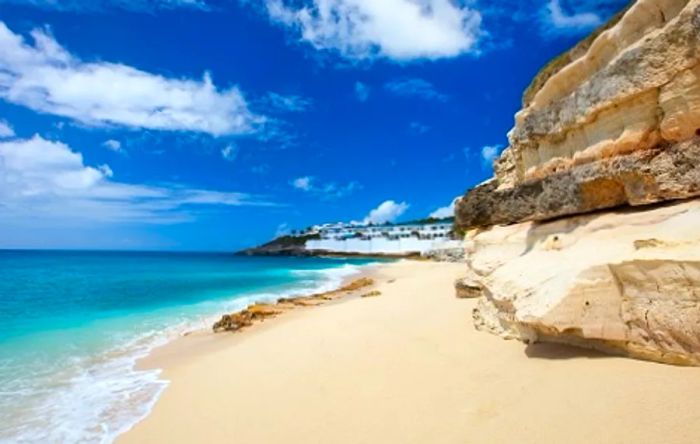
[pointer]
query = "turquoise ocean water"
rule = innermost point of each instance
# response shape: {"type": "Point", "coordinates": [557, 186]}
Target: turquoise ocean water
{"type": "Point", "coordinates": [73, 324]}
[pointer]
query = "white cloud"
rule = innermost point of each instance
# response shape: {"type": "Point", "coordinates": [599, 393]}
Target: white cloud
{"type": "Point", "coordinates": [113, 145]}
{"type": "Point", "coordinates": [361, 91]}
{"type": "Point", "coordinates": [556, 19]}
{"type": "Point", "coordinates": [46, 78]}
{"type": "Point", "coordinates": [106, 170]}
{"type": "Point", "coordinates": [401, 30]}
{"type": "Point", "coordinates": [415, 88]}
{"type": "Point", "coordinates": [230, 152]}
{"type": "Point", "coordinates": [328, 190]}
{"type": "Point", "coordinates": [445, 212]}
{"type": "Point", "coordinates": [387, 211]}
{"type": "Point", "coordinates": [42, 178]}
{"type": "Point", "coordinates": [489, 154]}
{"type": "Point", "coordinates": [280, 103]}
{"type": "Point", "coordinates": [302, 183]}
{"type": "Point", "coordinates": [6, 130]}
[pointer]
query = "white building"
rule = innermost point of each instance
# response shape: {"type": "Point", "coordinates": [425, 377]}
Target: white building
{"type": "Point", "coordinates": [384, 239]}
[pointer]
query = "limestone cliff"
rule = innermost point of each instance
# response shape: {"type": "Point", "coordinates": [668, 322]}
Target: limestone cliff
{"type": "Point", "coordinates": [613, 124]}
{"type": "Point", "coordinates": [618, 125]}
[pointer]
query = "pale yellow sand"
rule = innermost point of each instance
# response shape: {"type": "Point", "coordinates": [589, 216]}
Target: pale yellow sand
{"type": "Point", "coordinates": [408, 367]}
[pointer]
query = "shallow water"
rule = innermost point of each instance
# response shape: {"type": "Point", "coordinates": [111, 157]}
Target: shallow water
{"type": "Point", "coordinates": [73, 324]}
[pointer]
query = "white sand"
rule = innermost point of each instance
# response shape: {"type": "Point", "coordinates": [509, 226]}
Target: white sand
{"type": "Point", "coordinates": [408, 367]}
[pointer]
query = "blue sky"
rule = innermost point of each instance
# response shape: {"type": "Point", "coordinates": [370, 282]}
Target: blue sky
{"type": "Point", "coordinates": [216, 124]}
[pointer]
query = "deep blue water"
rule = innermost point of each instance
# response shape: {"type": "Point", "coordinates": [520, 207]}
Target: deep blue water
{"type": "Point", "coordinates": [72, 324]}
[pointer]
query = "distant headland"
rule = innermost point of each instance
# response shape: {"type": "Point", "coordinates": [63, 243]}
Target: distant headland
{"type": "Point", "coordinates": [406, 239]}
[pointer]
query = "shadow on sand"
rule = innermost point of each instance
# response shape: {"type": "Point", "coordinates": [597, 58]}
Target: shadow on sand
{"type": "Point", "coordinates": [561, 351]}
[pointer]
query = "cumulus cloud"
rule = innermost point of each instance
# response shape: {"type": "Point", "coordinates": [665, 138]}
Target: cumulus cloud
{"type": "Point", "coordinates": [230, 152]}
{"type": "Point", "coordinates": [557, 20]}
{"type": "Point", "coordinates": [113, 145]}
{"type": "Point", "coordinates": [39, 177]}
{"type": "Point", "coordinates": [302, 183]}
{"type": "Point", "coordinates": [387, 211]}
{"type": "Point", "coordinates": [401, 30]}
{"type": "Point", "coordinates": [445, 212]}
{"type": "Point", "coordinates": [6, 130]}
{"type": "Point", "coordinates": [45, 77]}
{"type": "Point", "coordinates": [328, 190]}
{"type": "Point", "coordinates": [361, 91]}
{"type": "Point", "coordinates": [415, 88]}
{"type": "Point", "coordinates": [489, 153]}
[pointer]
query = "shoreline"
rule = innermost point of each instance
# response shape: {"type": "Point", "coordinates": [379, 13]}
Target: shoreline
{"type": "Point", "coordinates": [407, 366]}
{"type": "Point", "coordinates": [199, 340]}
{"type": "Point", "coordinates": [197, 337]}
{"type": "Point", "coordinates": [304, 253]}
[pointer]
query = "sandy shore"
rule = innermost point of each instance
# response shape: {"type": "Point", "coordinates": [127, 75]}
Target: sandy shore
{"type": "Point", "coordinates": [408, 367]}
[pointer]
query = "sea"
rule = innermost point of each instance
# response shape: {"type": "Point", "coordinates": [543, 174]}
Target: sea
{"type": "Point", "coordinates": [74, 323]}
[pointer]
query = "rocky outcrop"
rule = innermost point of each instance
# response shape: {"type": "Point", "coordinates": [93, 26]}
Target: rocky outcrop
{"type": "Point", "coordinates": [259, 312]}
{"type": "Point", "coordinates": [468, 287]}
{"type": "Point", "coordinates": [625, 282]}
{"type": "Point", "coordinates": [638, 178]}
{"type": "Point", "coordinates": [618, 125]}
{"type": "Point", "coordinates": [246, 318]}
{"type": "Point", "coordinates": [282, 246]}
{"type": "Point", "coordinates": [589, 232]}
{"type": "Point", "coordinates": [445, 255]}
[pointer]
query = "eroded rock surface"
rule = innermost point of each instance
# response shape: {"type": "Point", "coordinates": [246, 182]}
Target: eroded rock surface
{"type": "Point", "coordinates": [259, 312]}
{"type": "Point", "coordinates": [468, 288]}
{"type": "Point", "coordinates": [563, 242]}
{"type": "Point", "coordinates": [638, 178]}
{"type": "Point", "coordinates": [625, 282]}
{"type": "Point", "coordinates": [618, 125]}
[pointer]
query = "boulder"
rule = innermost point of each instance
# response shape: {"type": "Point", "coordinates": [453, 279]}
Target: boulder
{"type": "Point", "coordinates": [467, 288]}
{"type": "Point", "coordinates": [624, 282]}
{"type": "Point", "coordinates": [450, 254]}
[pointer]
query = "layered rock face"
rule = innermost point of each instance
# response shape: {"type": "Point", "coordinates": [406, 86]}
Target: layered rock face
{"type": "Point", "coordinates": [625, 282]}
{"type": "Point", "coordinates": [617, 128]}
{"type": "Point", "coordinates": [618, 125]}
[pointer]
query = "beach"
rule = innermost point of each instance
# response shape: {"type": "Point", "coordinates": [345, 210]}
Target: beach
{"type": "Point", "coordinates": [407, 367]}
{"type": "Point", "coordinates": [350, 221]}
{"type": "Point", "coordinates": [75, 324]}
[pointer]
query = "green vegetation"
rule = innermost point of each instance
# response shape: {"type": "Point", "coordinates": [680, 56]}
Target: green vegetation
{"type": "Point", "coordinates": [427, 221]}
{"type": "Point", "coordinates": [293, 241]}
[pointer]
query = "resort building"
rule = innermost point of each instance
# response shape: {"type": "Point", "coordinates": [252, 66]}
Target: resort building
{"type": "Point", "coordinates": [381, 239]}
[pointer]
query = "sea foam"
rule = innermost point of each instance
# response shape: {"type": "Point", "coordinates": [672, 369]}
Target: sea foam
{"type": "Point", "coordinates": [98, 397]}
